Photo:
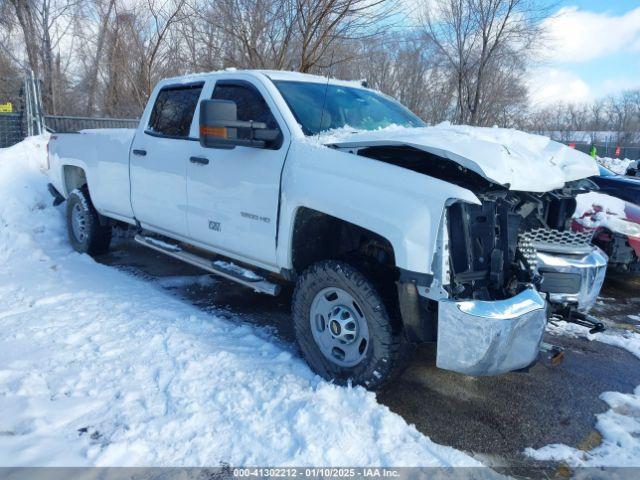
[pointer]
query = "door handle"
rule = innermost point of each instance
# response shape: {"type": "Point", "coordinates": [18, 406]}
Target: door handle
{"type": "Point", "coordinates": [140, 153]}
{"type": "Point", "coordinates": [199, 160]}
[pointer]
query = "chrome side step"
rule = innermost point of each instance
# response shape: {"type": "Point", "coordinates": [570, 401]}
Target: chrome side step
{"type": "Point", "coordinates": [227, 270]}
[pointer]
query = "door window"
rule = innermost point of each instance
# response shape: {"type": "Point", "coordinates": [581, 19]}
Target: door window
{"type": "Point", "coordinates": [250, 103]}
{"type": "Point", "coordinates": [173, 111]}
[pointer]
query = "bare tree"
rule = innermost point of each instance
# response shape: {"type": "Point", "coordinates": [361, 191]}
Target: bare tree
{"type": "Point", "coordinates": [466, 63]}
{"type": "Point", "coordinates": [623, 115]}
{"type": "Point", "coordinates": [44, 24]}
{"type": "Point", "coordinates": [615, 119]}
{"type": "Point", "coordinates": [101, 14]}
{"type": "Point", "coordinates": [303, 35]}
{"type": "Point", "coordinates": [478, 38]}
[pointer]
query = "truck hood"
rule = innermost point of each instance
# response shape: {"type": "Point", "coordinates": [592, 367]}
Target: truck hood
{"type": "Point", "coordinates": [514, 159]}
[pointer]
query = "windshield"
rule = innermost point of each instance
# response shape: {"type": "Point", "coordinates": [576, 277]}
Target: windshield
{"type": "Point", "coordinates": [343, 106]}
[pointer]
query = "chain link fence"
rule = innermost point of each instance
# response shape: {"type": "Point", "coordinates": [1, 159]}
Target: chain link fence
{"type": "Point", "coordinates": [12, 121]}
{"type": "Point", "coordinates": [611, 150]}
{"type": "Point", "coordinates": [20, 109]}
{"type": "Point", "coordinates": [21, 113]}
{"type": "Point", "coordinates": [11, 129]}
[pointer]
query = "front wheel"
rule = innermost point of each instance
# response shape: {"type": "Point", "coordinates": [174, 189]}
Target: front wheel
{"type": "Point", "coordinates": [86, 234]}
{"type": "Point", "coordinates": [343, 327]}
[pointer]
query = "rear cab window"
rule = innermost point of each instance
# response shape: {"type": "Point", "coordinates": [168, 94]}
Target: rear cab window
{"type": "Point", "coordinates": [173, 111]}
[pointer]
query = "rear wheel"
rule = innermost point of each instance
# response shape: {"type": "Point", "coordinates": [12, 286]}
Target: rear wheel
{"type": "Point", "coordinates": [86, 234]}
{"type": "Point", "coordinates": [343, 327]}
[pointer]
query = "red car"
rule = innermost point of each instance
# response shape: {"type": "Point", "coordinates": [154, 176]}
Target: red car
{"type": "Point", "coordinates": [616, 226]}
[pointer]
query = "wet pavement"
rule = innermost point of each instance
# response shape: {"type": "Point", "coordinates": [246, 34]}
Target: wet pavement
{"type": "Point", "coordinates": [492, 418]}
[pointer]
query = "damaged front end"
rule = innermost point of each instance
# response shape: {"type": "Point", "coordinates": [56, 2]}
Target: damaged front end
{"type": "Point", "coordinates": [502, 269]}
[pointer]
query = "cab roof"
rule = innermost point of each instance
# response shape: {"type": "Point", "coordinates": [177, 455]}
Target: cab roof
{"type": "Point", "coordinates": [275, 75]}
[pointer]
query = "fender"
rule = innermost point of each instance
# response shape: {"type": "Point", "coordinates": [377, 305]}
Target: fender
{"type": "Point", "coordinates": [105, 164]}
{"type": "Point", "coordinates": [63, 162]}
{"type": "Point", "coordinates": [400, 205]}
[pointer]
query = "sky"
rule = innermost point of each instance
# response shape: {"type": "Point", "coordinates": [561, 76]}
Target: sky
{"type": "Point", "coordinates": [594, 51]}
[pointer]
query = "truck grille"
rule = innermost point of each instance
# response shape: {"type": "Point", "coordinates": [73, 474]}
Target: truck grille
{"type": "Point", "coordinates": [555, 241]}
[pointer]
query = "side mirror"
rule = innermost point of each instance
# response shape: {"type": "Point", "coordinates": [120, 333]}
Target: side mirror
{"type": "Point", "coordinates": [220, 127]}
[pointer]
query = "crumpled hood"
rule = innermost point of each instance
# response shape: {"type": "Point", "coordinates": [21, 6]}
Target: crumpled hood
{"type": "Point", "coordinates": [517, 160]}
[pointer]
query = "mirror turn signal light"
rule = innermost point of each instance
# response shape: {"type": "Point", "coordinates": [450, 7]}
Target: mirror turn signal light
{"type": "Point", "coordinates": [219, 132]}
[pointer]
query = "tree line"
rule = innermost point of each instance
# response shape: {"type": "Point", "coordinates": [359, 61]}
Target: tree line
{"type": "Point", "coordinates": [615, 118]}
{"type": "Point", "coordinates": [463, 61]}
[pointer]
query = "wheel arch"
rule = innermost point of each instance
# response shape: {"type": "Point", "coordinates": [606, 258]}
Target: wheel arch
{"type": "Point", "coordinates": [316, 236]}
{"type": "Point", "coordinates": [73, 177]}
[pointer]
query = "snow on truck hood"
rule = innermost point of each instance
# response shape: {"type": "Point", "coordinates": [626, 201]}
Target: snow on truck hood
{"type": "Point", "coordinates": [512, 158]}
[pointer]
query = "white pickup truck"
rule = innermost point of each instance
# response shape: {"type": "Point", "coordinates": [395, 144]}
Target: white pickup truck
{"type": "Point", "coordinates": [393, 232]}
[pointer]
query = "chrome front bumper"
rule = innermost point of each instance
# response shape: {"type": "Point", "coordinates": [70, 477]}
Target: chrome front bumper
{"type": "Point", "coordinates": [572, 280]}
{"type": "Point", "coordinates": [490, 337]}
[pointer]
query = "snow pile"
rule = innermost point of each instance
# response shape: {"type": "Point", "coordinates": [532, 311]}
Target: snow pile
{"type": "Point", "coordinates": [616, 165]}
{"type": "Point", "coordinates": [100, 368]}
{"type": "Point", "coordinates": [619, 426]}
{"type": "Point", "coordinates": [620, 429]}
{"type": "Point", "coordinates": [626, 339]}
{"type": "Point", "coordinates": [505, 156]}
{"type": "Point", "coordinates": [597, 210]}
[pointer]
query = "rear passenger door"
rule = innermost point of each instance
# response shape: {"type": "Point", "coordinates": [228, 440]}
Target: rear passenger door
{"type": "Point", "coordinates": [159, 156]}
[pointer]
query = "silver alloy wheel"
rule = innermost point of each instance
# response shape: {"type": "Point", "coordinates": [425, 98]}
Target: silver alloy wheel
{"type": "Point", "coordinates": [79, 222]}
{"type": "Point", "coordinates": [339, 327]}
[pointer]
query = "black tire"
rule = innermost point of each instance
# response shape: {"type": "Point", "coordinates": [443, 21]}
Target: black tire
{"type": "Point", "coordinates": [387, 350]}
{"type": "Point", "coordinates": [94, 238]}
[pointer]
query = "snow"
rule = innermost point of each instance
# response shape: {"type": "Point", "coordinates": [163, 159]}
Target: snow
{"type": "Point", "coordinates": [620, 429]}
{"type": "Point", "coordinates": [272, 74]}
{"type": "Point", "coordinates": [101, 368]}
{"type": "Point", "coordinates": [508, 157]}
{"type": "Point", "coordinates": [306, 77]}
{"type": "Point", "coordinates": [608, 204]}
{"type": "Point", "coordinates": [616, 165]}
{"type": "Point", "coordinates": [237, 269]}
{"type": "Point", "coordinates": [597, 210]}
{"type": "Point", "coordinates": [619, 426]}
{"type": "Point", "coordinates": [162, 244]}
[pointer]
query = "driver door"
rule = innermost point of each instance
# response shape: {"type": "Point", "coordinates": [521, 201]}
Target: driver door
{"type": "Point", "coordinates": [233, 194]}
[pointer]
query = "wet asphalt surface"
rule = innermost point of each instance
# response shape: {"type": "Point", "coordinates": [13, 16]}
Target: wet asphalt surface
{"type": "Point", "coordinates": [491, 418]}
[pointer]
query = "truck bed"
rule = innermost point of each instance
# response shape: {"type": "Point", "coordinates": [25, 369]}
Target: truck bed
{"type": "Point", "coordinates": [104, 155]}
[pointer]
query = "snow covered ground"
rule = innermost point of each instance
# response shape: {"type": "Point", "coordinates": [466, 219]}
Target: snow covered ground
{"type": "Point", "coordinates": [619, 426]}
{"type": "Point", "coordinates": [101, 368]}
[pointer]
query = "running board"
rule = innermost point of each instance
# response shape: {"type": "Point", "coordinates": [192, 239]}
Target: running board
{"type": "Point", "coordinates": [227, 270]}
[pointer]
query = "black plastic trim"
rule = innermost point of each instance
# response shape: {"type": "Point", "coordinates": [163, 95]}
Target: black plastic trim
{"type": "Point", "coordinates": [172, 137]}
{"type": "Point", "coordinates": [57, 196]}
{"type": "Point", "coordinates": [421, 279]}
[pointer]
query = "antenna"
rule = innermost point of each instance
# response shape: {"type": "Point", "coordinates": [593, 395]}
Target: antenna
{"type": "Point", "coordinates": [326, 88]}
